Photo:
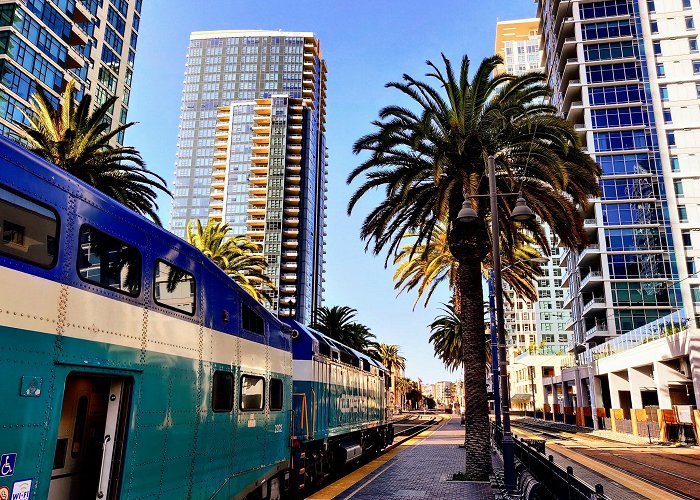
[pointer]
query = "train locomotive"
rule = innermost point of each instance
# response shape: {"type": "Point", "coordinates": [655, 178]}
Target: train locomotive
{"type": "Point", "coordinates": [132, 367]}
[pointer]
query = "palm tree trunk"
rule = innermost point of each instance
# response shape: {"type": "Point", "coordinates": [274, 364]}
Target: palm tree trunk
{"type": "Point", "coordinates": [477, 432]}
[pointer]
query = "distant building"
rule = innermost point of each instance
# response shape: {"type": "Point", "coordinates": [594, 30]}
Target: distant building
{"type": "Point", "coordinates": [47, 43]}
{"type": "Point", "coordinates": [251, 152]}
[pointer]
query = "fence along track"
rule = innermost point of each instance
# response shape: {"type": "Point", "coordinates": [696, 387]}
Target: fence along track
{"type": "Point", "coordinates": [661, 486]}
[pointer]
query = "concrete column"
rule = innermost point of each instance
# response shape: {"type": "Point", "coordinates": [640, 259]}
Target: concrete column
{"type": "Point", "coordinates": [639, 378]}
{"type": "Point", "coordinates": [618, 382]}
{"type": "Point", "coordinates": [662, 376]}
{"type": "Point", "coordinates": [694, 359]}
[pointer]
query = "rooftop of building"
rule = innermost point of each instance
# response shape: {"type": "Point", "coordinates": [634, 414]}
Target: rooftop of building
{"type": "Point", "coordinates": [241, 33]}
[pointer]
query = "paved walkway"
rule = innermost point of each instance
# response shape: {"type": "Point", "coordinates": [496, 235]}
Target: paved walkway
{"type": "Point", "coordinates": [419, 469]}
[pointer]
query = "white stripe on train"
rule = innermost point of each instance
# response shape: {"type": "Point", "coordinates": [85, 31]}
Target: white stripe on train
{"type": "Point", "coordinates": [31, 303]}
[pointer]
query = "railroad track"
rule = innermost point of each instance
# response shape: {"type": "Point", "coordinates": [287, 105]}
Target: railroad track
{"type": "Point", "coordinates": [660, 477]}
{"type": "Point", "coordinates": [415, 429]}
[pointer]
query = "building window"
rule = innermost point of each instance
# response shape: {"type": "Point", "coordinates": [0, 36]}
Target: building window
{"type": "Point", "coordinates": [222, 391]}
{"type": "Point", "coordinates": [678, 188]}
{"type": "Point", "coordinates": [657, 48]}
{"type": "Point", "coordinates": [671, 138]}
{"type": "Point", "coordinates": [663, 91]}
{"type": "Point", "coordinates": [696, 67]}
{"type": "Point", "coordinates": [654, 27]}
{"type": "Point", "coordinates": [687, 239]}
{"type": "Point", "coordinates": [693, 45]}
{"type": "Point", "coordinates": [667, 116]}
{"type": "Point", "coordinates": [689, 23]}
{"type": "Point", "coordinates": [686, 4]}
{"type": "Point", "coordinates": [660, 70]}
{"type": "Point", "coordinates": [690, 266]}
{"type": "Point", "coordinates": [695, 292]}
{"type": "Point", "coordinates": [276, 394]}
{"type": "Point", "coordinates": [682, 214]}
{"type": "Point", "coordinates": [651, 6]}
{"type": "Point", "coordinates": [675, 164]}
{"type": "Point", "coordinates": [252, 393]}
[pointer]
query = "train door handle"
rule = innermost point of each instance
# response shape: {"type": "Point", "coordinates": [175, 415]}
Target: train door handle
{"type": "Point", "coordinates": [100, 492]}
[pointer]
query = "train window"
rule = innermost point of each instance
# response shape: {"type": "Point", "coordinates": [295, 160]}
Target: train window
{"type": "Point", "coordinates": [108, 262]}
{"type": "Point", "coordinates": [252, 393]}
{"type": "Point", "coordinates": [29, 230]}
{"type": "Point", "coordinates": [251, 320]}
{"type": "Point", "coordinates": [276, 394]}
{"type": "Point", "coordinates": [174, 288]}
{"type": "Point", "coordinates": [222, 391]}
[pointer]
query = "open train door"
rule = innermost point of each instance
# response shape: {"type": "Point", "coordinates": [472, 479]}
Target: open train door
{"type": "Point", "coordinates": [92, 433]}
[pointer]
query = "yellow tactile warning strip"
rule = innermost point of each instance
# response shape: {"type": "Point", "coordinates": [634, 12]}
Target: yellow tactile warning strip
{"type": "Point", "coordinates": [347, 482]}
{"type": "Point", "coordinates": [637, 485]}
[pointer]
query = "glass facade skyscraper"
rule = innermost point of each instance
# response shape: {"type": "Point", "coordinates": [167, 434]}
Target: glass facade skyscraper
{"type": "Point", "coordinates": [626, 74]}
{"type": "Point", "coordinates": [48, 42]}
{"type": "Point", "coordinates": [251, 152]}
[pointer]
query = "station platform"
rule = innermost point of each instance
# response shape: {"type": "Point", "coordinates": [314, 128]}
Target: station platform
{"type": "Point", "coordinates": [422, 467]}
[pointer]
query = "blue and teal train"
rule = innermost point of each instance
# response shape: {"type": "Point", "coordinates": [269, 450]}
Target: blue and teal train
{"type": "Point", "coordinates": [132, 367]}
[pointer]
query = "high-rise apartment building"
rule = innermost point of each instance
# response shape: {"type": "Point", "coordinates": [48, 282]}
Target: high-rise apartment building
{"type": "Point", "coordinates": [626, 74]}
{"type": "Point", "coordinates": [533, 326]}
{"type": "Point", "coordinates": [46, 43]}
{"type": "Point", "coordinates": [251, 152]}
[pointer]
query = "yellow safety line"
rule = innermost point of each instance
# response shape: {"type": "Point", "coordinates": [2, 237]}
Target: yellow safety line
{"type": "Point", "coordinates": [346, 482]}
{"type": "Point", "coordinates": [645, 489]}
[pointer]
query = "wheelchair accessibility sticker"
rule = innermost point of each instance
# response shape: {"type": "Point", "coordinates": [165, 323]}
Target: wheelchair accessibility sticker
{"type": "Point", "coordinates": [7, 464]}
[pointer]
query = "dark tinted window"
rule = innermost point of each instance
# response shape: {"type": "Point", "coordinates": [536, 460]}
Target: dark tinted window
{"type": "Point", "coordinates": [276, 394]}
{"type": "Point", "coordinates": [108, 262]}
{"type": "Point", "coordinates": [252, 320]}
{"type": "Point", "coordinates": [252, 393]}
{"type": "Point", "coordinates": [222, 391]}
{"type": "Point", "coordinates": [174, 288]}
{"type": "Point", "coordinates": [29, 230]}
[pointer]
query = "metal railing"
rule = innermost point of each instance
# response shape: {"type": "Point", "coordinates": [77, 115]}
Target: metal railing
{"type": "Point", "coordinates": [555, 482]}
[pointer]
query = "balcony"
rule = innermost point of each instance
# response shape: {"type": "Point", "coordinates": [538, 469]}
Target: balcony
{"type": "Point", "coordinates": [594, 303]}
{"type": "Point", "coordinates": [568, 298]}
{"type": "Point", "coordinates": [291, 232]}
{"type": "Point", "coordinates": [290, 243]}
{"type": "Point", "coordinates": [291, 221]}
{"type": "Point", "coordinates": [599, 330]}
{"type": "Point", "coordinates": [292, 200]}
{"type": "Point", "coordinates": [592, 250]}
{"type": "Point", "coordinates": [289, 277]}
{"type": "Point", "coordinates": [291, 210]}
{"type": "Point", "coordinates": [256, 220]}
{"type": "Point", "coordinates": [292, 189]}
{"type": "Point", "coordinates": [591, 278]}
{"type": "Point", "coordinates": [288, 289]}
{"type": "Point", "coordinates": [294, 138]}
{"type": "Point", "coordinates": [259, 158]}
{"type": "Point", "coordinates": [290, 254]}
{"type": "Point", "coordinates": [293, 179]}
{"type": "Point", "coordinates": [289, 266]}
{"type": "Point", "coordinates": [261, 139]}
{"type": "Point", "coordinates": [293, 168]}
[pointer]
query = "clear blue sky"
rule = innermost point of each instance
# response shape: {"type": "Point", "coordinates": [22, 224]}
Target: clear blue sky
{"type": "Point", "coordinates": [366, 44]}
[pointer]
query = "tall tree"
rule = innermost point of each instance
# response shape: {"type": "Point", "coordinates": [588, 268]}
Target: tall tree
{"type": "Point", "coordinates": [236, 255]}
{"type": "Point", "coordinates": [389, 355]}
{"type": "Point", "coordinates": [430, 160]}
{"type": "Point", "coordinates": [81, 142]}
{"type": "Point", "coordinates": [446, 337]}
{"type": "Point", "coordinates": [338, 323]}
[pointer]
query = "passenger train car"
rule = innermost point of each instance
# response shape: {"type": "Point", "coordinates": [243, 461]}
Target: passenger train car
{"type": "Point", "coordinates": [132, 367]}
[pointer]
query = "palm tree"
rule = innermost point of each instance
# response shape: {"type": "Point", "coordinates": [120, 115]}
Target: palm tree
{"type": "Point", "coordinates": [428, 265]}
{"type": "Point", "coordinates": [389, 355]}
{"type": "Point", "coordinates": [235, 255]}
{"type": "Point", "coordinates": [430, 161]}
{"type": "Point", "coordinates": [403, 386]}
{"type": "Point", "coordinates": [446, 337]}
{"type": "Point", "coordinates": [80, 142]}
{"type": "Point", "coordinates": [338, 323]}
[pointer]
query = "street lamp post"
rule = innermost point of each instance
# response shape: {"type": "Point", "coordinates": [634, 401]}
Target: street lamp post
{"type": "Point", "coordinates": [521, 213]}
